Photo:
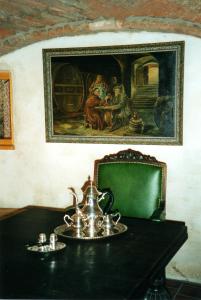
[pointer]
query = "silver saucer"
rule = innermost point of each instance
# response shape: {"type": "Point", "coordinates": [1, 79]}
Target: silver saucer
{"type": "Point", "coordinates": [45, 249]}
{"type": "Point", "coordinates": [69, 232]}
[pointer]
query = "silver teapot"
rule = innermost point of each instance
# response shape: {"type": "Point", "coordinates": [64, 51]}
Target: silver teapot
{"type": "Point", "coordinates": [91, 210]}
{"type": "Point", "coordinates": [87, 221]}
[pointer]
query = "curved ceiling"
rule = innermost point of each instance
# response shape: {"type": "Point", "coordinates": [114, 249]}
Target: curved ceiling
{"type": "Point", "coordinates": [23, 22]}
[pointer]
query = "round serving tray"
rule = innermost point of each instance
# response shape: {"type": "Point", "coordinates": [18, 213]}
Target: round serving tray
{"type": "Point", "coordinates": [46, 248]}
{"type": "Point", "coordinates": [69, 232]}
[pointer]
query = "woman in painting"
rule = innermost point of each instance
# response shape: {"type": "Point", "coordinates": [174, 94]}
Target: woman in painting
{"type": "Point", "coordinates": [93, 117]}
{"type": "Point", "coordinates": [102, 86]}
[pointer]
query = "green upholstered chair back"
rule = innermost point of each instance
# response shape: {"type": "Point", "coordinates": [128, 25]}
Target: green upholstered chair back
{"type": "Point", "coordinates": [138, 183]}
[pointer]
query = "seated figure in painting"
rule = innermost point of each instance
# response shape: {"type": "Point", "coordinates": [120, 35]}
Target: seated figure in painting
{"type": "Point", "coordinates": [164, 115]}
{"type": "Point", "coordinates": [122, 115]}
{"type": "Point", "coordinates": [115, 105]}
{"type": "Point", "coordinates": [119, 94]}
{"type": "Point", "coordinates": [93, 117]}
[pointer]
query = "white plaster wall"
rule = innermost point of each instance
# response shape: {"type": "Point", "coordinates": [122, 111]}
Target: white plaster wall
{"type": "Point", "coordinates": [39, 173]}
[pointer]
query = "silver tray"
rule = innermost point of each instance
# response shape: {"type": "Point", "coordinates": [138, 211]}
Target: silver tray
{"type": "Point", "coordinates": [46, 248]}
{"type": "Point", "coordinates": [69, 232]}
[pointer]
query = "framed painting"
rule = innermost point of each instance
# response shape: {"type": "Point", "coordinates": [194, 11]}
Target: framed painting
{"type": "Point", "coordinates": [6, 122]}
{"type": "Point", "coordinates": [130, 94]}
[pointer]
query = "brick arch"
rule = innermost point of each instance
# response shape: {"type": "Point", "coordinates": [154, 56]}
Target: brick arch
{"type": "Point", "coordinates": [27, 22]}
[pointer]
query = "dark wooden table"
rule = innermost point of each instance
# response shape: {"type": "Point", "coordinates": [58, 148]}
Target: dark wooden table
{"type": "Point", "coordinates": [121, 267]}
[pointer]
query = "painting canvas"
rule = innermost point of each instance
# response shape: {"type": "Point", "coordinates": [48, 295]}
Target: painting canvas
{"type": "Point", "coordinates": [124, 94]}
{"type": "Point", "coordinates": [6, 128]}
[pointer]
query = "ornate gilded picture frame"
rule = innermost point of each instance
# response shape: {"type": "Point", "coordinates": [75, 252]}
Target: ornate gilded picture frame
{"type": "Point", "coordinates": [6, 121]}
{"type": "Point", "coordinates": [130, 94]}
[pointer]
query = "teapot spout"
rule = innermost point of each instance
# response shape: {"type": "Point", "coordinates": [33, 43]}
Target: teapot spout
{"type": "Point", "coordinates": [75, 197]}
{"type": "Point", "coordinates": [75, 200]}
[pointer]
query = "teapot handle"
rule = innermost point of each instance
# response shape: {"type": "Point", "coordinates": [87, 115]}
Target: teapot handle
{"type": "Point", "coordinates": [110, 201]}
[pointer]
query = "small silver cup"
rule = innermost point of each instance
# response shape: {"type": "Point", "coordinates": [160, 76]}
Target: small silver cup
{"type": "Point", "coordinates": [53, 240]}
{"type": "Point", "coordinates": [42, 238]}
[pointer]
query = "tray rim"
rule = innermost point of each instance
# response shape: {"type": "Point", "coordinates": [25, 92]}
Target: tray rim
{"type": "Point", "coordinates": [87, 238]}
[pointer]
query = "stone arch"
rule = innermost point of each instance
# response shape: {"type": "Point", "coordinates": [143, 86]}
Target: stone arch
{"type": "Point", "coordinates": [22, 25]}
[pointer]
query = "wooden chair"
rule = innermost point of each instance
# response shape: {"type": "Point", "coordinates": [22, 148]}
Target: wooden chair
{"type": "Point", "coordinates": [138, 183]}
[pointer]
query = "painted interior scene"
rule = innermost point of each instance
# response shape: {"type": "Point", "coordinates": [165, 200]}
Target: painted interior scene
{"type": "Point", "coordinates": [114, 95]}
{"type": "Point", "coordinates": [5, 127]}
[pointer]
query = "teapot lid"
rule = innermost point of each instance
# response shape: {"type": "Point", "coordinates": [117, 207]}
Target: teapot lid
{"type": "Point", "coordinates": [89, 188]}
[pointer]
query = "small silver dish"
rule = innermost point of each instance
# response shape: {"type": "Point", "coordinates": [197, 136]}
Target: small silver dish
{"type": "Point", "coordinates": [46, 248]}
{"type": "Point", "coordinates": [43, 248]}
